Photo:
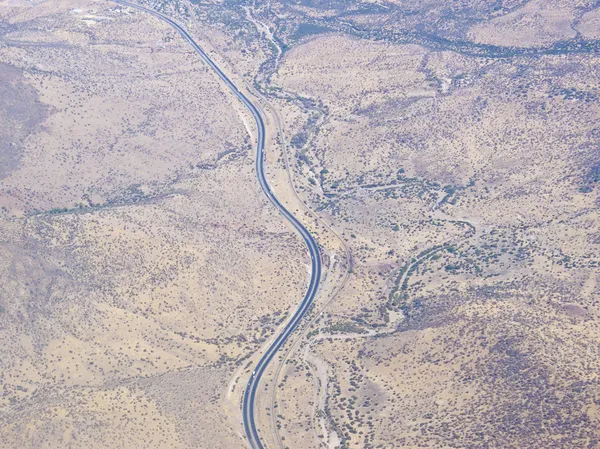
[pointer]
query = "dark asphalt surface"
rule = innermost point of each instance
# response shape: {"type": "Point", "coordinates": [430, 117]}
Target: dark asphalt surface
{"type": "Point", "coordinates": [248, 406]}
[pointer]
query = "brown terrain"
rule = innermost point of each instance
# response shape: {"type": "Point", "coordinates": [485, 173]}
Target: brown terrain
{"type": "Point", "coordinates": [445, 154]}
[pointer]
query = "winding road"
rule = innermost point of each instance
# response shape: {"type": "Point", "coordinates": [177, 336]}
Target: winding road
{"type": "Point", "coordinates": [248, 405]}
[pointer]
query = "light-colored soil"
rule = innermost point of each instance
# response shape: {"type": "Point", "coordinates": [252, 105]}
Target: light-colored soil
{"type": "Point", "coordinates": [140, 264]}
{"type": "Point", "coordinates": [449, 147]}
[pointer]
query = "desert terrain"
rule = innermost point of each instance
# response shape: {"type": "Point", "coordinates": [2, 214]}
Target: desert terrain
{"type": "Point", "coordinates": [443, 154]}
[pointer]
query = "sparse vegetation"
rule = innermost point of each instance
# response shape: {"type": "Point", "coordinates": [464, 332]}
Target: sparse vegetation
{"type": "Point", "coordinates": [453, 148]}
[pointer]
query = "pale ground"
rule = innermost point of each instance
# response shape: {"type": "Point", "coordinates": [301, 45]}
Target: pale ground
{"type": "Point", "coordinates": [478, 352]}
{"type": "Point", "coordinates": [140, 262]}
{"type": "Point", "coordinates": [589, 25]}
{"type": "Point", "coordinates": [134, 308]}
{"type": "Point", "coordinates": [539, 22]}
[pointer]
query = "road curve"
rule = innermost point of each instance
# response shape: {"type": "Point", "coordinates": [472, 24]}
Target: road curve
{"type": "Point", "coordinates": [248, 405]}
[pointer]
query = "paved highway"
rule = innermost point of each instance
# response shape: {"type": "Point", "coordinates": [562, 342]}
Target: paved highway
{"type": "Point", "coordinates": [248, 405]}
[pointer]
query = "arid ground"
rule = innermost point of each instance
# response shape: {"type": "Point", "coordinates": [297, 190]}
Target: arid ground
{"type": "Point", "coordinates": [445, 154]}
